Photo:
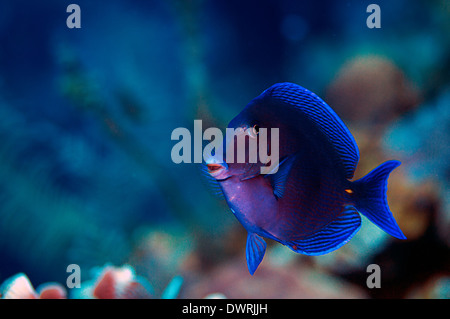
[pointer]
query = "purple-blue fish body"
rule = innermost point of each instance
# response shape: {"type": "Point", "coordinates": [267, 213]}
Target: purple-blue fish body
{"type": "Point", "coordinates": [309, 204]}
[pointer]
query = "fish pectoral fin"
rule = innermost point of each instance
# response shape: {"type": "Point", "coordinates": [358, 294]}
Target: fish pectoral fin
{"type": "Point", "coordinates": [331, 237]}
{"type": "Point", "coordinates": [279, 175]}
{"type": "Point", "coordinates": [256, 248]}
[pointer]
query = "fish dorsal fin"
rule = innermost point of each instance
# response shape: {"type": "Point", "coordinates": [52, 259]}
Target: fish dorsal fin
{"type": "Point", "coordinates": [331, 237]}
{"type": "Point", "coordinates": [256, 248]}
{"type": "Point", "coordinates": [324, 117]}
{"type": "Point", "coordinates": [278, 179]}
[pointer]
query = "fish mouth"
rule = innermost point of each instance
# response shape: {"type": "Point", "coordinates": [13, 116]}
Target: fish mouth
{"type": "Point", "coordinates": [218, 171]}
{"type": "Point", "coordinates": [214, 168]}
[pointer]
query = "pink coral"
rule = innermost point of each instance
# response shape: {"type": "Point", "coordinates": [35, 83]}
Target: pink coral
{"type": "Point", "coordinates": [111, 283]}
{"type": "Point", "coordinates": [120, 283]}
{"type": "Point", "coordinates": [20, 287]}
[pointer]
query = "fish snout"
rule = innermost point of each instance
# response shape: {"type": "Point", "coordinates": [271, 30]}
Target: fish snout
{"type": "Point", "coordinates": [214, 167]}
{"type": "Point", "coordinates": [217, 169]}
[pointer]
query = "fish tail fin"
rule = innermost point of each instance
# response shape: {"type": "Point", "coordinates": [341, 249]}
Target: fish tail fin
{"type": "Point", "coordinates": [370, 198]}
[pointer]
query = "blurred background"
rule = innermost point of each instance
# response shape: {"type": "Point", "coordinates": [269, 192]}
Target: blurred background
{"type": "Point", "coordinates": [86, 117]}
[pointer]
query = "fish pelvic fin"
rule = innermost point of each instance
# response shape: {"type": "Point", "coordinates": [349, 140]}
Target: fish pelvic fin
{"type": "Point", "coordinates": [255, 250]}
{"type": "Point", "coordinates": [370, 199]}
{"type": "Point", "coordinates": [331, 237]}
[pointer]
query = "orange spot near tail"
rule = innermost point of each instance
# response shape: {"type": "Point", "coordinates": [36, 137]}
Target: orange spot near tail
{"type": "Point", "coordinates": [349, 191]}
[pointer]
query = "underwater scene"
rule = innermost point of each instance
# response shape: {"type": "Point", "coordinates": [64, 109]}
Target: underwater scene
{"type": "Point", "coordinates": [108, 112]}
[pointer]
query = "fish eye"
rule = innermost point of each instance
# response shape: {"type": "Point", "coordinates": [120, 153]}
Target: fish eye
{"type": "Point", "coordinates": [254, 131]}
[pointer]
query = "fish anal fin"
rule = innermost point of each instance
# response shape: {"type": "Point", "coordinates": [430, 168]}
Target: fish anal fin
{"type": "Point", "coordinates": [331, 237]}
{"type": "Point", "coordinates": [255, 250]}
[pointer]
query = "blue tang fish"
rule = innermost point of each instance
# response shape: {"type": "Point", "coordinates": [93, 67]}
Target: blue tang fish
{"type": "Point", "coordinates": [309, 204]}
